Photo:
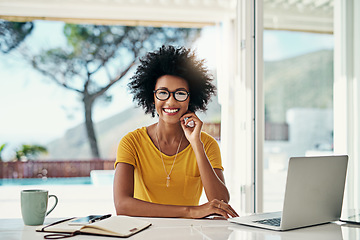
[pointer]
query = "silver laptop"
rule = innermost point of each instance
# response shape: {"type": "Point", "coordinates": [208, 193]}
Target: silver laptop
{"type": "Point", "coordinates": [351, 216]}
{"type": "Point", "coordinates": [313, 195]}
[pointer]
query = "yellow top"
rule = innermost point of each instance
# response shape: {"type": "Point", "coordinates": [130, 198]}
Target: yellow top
{"type": "Point", "coordinates": [137, 149]}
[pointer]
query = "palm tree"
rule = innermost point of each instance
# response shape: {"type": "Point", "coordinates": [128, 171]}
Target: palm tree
{"type": "Point", "coordinates": [29, 152]}
{"type": "Point", "coordinates": [1, 149]}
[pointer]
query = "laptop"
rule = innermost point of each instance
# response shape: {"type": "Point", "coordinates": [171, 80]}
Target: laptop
{"type": "Point", "coordinates": [351, 216]}
{"type": "Point", "coordinates": [313, 195]}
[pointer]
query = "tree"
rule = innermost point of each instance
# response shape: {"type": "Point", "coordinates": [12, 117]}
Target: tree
{"type": "Point", "coordinates": [13, 33]}
{"type": "Point", "coordinates": [2, 146]}
{"type": "Point", "coordinates": [97, 57]}
{"type": "Point", "coordinates": [29, 152]}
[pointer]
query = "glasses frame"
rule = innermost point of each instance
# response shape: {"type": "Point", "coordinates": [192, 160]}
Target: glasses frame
{"type": "Point", "coordinates": [173, 93]}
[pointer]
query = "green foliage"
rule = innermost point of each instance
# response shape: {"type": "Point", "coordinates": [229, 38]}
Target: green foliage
{"type": "Point", "coordinates": [1, 149]}
{"type": "Point", "coordinates": [94, 59]}
{"type": "Point", "coordinates": [98, 56]}
{"type": "Point", "coordinates": [13, 33]}
{"type": "Point", "coordinates": [30, 152]}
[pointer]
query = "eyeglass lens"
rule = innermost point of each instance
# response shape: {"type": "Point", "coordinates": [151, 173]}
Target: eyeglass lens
{"type": "Point", "coordinates": [179, 95]}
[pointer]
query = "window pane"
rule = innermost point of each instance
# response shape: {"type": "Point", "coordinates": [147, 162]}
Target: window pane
{"type": "Point", "coordinates": [298, 92]}
{"type": "Point", "coordinates": [45, 105]}
{"type": "Point", "coordinates": [36, 110]}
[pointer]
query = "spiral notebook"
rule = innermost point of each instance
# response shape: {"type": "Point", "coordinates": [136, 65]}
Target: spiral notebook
{"type": "Point", "coordinates": [115, 226]}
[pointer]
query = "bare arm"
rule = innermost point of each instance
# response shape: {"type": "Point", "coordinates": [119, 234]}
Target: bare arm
{"type": "Point", "coordinates": [126, 204]}
{"type": "Point", "coordinates": [212, 179]}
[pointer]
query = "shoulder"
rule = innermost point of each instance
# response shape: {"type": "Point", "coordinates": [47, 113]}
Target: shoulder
{"type": "Point", "coordinates": [207, 138]}
{"type": "Point", "coordinates": [212, 149]}
{"type": "Point", "coordinates": [136, 133]}
{"type": "Point", "coordinates": [209, 141]}
{"type": "Point", "coordinates": [135, 136]}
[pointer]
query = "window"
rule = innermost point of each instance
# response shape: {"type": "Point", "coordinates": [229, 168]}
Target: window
{"type": "Point", "coordinates": [48, 109]}
{"type": "Point", "coordinates": [298, 89]}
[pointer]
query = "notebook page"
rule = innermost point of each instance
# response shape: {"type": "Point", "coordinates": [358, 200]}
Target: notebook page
{"type": "Point", "coordinates": [116, 226]}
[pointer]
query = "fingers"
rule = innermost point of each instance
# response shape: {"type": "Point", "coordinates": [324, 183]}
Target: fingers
{"type": "Point", "coordinates": [214, 207]}
{"type": "Point", "coordinates": [190, 119]}
{"type": "Point", "coordinates": [228, 209]}
{"type": "Point", "coordinates": [223, 209]}
{"type": "Point", "coordinates": [189, 123]}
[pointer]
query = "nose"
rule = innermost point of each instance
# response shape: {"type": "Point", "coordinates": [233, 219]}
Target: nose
{"type": "Point", "coordinates": [171, 98]}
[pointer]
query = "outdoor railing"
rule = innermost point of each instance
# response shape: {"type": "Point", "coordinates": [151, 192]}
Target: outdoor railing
{"type": "Point", "coordinates": [53, 168]}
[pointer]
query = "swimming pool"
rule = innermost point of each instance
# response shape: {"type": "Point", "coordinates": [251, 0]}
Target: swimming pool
{"type": "Point", "coordinates": [97, 177]}
{"type": "Point", "coordinates": [45, 181]}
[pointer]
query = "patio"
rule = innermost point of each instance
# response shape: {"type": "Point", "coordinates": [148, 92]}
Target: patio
{"type": "Point", "coordinates": [74, 200]}
{"type": "Point", "coordinates": [86, 199]}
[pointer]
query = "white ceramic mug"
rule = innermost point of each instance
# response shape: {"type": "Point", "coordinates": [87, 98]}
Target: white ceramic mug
{"type": "Point", "coordinates": [34, 204]}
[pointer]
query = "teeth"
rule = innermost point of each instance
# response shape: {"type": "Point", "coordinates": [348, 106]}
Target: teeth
{"type": "Point", "coordinates": [171, 110]}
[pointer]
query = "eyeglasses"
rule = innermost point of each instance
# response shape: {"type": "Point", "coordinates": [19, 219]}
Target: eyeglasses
{"type": "Point", "coordinates": [179, 95]}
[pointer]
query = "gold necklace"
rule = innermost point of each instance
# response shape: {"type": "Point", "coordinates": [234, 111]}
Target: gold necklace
{"type": "Point", "coordinates": [167, 174]}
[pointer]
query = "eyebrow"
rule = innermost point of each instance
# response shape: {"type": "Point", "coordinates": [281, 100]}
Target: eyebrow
{"type": "Point", "coordinates": [164, 88]}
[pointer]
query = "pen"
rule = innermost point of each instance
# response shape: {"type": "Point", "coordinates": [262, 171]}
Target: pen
{"type": "Point", "coordinates": [100, 218]}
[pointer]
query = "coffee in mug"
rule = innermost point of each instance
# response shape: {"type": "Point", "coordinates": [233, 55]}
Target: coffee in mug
{"type": "Point", "coordinates": [34, 204]}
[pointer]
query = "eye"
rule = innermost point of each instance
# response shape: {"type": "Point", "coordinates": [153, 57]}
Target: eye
{"type": "Point", "coordinates": [181, 93]}
{"type": "Point", "coordinates": [162, 92]}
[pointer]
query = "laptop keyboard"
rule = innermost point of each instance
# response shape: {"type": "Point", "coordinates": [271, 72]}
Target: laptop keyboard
{"type": "Point", "coordinates": [272, 221]}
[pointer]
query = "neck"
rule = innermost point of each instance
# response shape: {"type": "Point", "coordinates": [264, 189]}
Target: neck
{"type": "Point", "coordinates": [169, 133]}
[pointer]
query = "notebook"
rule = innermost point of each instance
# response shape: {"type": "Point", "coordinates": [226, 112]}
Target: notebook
{"type": "Point", "coordinates": [115, 226]}
{"type": "Point", "coordinates": [313, 195]}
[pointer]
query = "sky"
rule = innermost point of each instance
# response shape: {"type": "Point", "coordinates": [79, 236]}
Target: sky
{"type": "Point", "coordinates": [285, 44]}
{"type": "Point", "coordinates": [34, 110]}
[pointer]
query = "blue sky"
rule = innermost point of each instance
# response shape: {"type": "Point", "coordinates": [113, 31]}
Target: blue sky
{"type": "Point", "coordinates": [285, 44]}
{"type": "Point", "coordinates": [34, 110]}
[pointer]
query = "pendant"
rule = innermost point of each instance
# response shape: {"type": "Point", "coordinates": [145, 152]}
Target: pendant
{"type": "Point", "coordinates": [168, 181]}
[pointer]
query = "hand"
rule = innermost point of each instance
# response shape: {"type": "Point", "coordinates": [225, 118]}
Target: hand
{"type": "Point", "coordinates": [192, 130]}
{"type": "Point", "coordinates": [216, 207]}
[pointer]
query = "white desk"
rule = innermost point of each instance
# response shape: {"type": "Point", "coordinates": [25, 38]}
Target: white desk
{"type": "Point", "coordinates": [188, 229]}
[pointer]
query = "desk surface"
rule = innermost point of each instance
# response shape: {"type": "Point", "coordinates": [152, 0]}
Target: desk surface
{"type": "Point", "coordinates": [170, 228]}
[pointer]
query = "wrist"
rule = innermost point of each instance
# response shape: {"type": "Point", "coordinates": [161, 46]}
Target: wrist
{"type": "Point", "coordinates": [196, 145]}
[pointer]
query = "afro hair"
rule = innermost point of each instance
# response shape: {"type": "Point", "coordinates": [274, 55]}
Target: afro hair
{"type": "Point", "coordinates": [169, 60]}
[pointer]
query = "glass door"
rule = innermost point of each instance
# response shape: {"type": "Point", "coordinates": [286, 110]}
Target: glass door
{"type": "Point", "coordinates": [298, 88]}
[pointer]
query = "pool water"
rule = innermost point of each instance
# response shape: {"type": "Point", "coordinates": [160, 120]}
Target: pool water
{"type": "Point", "coordinates": [45, 181]}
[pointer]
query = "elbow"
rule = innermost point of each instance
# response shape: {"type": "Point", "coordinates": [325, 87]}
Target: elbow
{"type": "Point", "coordinates": [227, 196]}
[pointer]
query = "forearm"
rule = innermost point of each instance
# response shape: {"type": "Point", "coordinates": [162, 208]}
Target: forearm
{"type": "Point", "coordinates": [134, 207]}
{"type": "Point", "coordinates": [214, 187]}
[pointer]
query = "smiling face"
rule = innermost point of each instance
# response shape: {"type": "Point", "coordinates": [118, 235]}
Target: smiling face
{"type": "Point", "coordinates": [171, 110]}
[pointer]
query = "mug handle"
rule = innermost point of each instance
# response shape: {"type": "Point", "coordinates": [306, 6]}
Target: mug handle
{"type": "Point", "coordinates": [56, 202]}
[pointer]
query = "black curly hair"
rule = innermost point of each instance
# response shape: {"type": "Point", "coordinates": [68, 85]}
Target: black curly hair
{"type": "Point", "coordinates": [169, 60]}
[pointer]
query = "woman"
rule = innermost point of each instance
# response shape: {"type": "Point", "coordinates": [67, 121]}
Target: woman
{"type": "Point", "coordinates": [161, 169]}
